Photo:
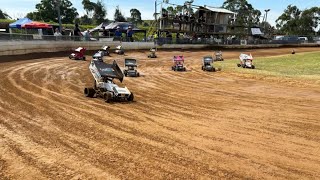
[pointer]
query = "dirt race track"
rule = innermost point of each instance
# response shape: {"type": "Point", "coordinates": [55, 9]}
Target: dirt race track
{"type": "Point", "coordinates": [189, 125]}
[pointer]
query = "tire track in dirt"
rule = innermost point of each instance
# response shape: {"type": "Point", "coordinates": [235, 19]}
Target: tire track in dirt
{"type": "Point", "coordinates": [183, 125]}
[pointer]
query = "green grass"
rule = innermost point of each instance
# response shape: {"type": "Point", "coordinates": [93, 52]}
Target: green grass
{"type": "Point", "coordinates": [304, 65]}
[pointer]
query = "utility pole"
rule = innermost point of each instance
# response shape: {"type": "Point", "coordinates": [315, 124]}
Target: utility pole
{"type": "Point", "coordinates": [155, 14]}
{"type": "Point", "coordinates": [265, 23]}
{"type": "Point", "coordinates": [58, 3]}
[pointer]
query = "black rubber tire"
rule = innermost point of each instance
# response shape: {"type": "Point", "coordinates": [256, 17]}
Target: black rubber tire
{"type": "Point", "coordinates": [107, 97]}
{"type": "Point", "coordinates": [131, 97]}
{"type": "Point", "coordinates": [253, 67]}
{"type": "Point", "coordinates": [184, 69]}
{"type": "Point", "coordinates": [70, 57]}
{"type": "Point", "coordinates": [202, 68]}
{"type": "Point", "coordinates": [244, 66]}
{"type": "Point", "coordinates": [138, 74]}
{"type": "Point", "coordinates": [84, 58]}
{"type": "Point", "coordinates": [89, 92]}
{"type": "Point", "coordinates": [239, 65]}
{"type": "Point", "coordinates": [213, 69]}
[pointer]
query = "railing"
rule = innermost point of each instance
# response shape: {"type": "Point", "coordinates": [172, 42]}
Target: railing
{"type": "Point", "coordinates": [37, 37]}
{"type": "Point", "coordinates": [212, 41]}
{"type": "Point", "coordinates": [160, 41]}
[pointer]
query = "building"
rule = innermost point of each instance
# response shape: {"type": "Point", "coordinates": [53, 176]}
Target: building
{"type": "Point", "coordinates": [206, 20]}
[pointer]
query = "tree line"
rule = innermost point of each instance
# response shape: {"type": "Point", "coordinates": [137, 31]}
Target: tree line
{"type": "Point", "coordinates": [293, 21]}
{"type": "Point", "coordinates": [95, 13]}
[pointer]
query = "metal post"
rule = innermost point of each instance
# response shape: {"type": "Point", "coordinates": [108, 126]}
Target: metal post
{"type": "Point", "coordinates": [265, 23]}
{"type": "Point", "coordinates": [161, 16]}
{"type": "Point", "coordinates": [155, 14]}
{"type": "Point", "coordinates": [59, 15]}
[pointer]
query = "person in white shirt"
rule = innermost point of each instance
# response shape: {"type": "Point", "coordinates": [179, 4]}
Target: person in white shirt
{"type": "Point", "coordinates": [57, 33]}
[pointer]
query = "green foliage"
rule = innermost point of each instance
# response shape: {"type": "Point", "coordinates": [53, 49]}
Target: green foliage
{"type": "Point", "coordinates": [304, 66]}
{"type": "Point", "coordinates": [4, 15]}
{"type": "Point", "coordinates": [247, 16]}
{"type": "Point", "coordinates": [296, 22]}
{"type": "Point", "coordinates": [135, 16]}
{"type": "Point", "coordinates": [7, 20]}
{"type": "Point", "coordinates": [47, 11]}
{"type": "Point", "coordinates": [95, 12]}
{"type": "Point", "coordinates": [118, 15]}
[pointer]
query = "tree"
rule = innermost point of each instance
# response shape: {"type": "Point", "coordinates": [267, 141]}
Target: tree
{"type": "Point", "coordinates": [247, 16]}
{"type": "Point", "coordinates": [293, 21]}
{"type": "Point", "coordinates": [88, 6]}
{"type": "Point", "coordinates": [118, 15]}
{"type": "Point", "coordinates": [171, 10]}
{"type": "Point", "coordinates": [288, 21]}
{"type": "Point", "coordinates": [135, 16]}
{"type": "Point", "coordinates": [47, 11]}
{"type": "Point", "coordinates": [4, 15]}
{"type": "Point", "coordinates": [100, 12]}
{"type": "Point", "coordinates": [95, 11]}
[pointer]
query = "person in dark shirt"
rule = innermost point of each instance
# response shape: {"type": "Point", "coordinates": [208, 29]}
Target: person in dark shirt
{"type": "Point", "coordinates": [104, 31]}
{"type": "Point", "coordinates": [77, 33]}
{"type": "Point", "coordinates": [130, 34]}
{"type": "Point", "coordinates": [118, 34]}
{"type": "Point", "coordinates": [63, 31]}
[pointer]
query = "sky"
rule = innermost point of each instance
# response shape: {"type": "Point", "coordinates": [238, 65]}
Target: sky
{"type": "Point", "coordinates": [19, 8]}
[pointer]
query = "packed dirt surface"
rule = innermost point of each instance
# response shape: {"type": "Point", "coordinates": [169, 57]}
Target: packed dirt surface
{"type": "Point", "coordinates": [184, 125]}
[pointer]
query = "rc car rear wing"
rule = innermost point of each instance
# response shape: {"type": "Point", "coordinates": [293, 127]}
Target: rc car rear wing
{"type": "Point", "coordinates": [101, 70]}
{"type": "Point", "coordinates": [178, 58]}
{"type": "Point", "coordinates": [130, 62]}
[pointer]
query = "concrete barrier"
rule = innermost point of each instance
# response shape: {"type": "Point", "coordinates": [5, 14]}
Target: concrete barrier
{"type": "Point", "coordinates": [28, 47]}
{"type": "Point", "coordinates": [8, 48]}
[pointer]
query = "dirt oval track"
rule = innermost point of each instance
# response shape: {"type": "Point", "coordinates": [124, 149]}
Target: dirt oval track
{"type": "Point", "coordinates": [192, 125]}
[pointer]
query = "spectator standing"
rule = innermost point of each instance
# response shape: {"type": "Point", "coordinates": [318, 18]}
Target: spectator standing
{"type": "Point", "coordinates": [87, 35]}
{"type": "Point", "coordinates": [57, 33]}
{"type": "Point", "coordinates": [129, 34]}
{"type": "Point", "coordinates": [178, 38]}
{"type": "Point", "coordinates": [63, 31]}
{"type": "Point", "coordinates": [77, 33]}
{"type": "Point", "coordinates": [118, 34]}
{"type": "Point", "coordinates": [155, 37]}
{"type": "Point", "coordinates": [105, 32]}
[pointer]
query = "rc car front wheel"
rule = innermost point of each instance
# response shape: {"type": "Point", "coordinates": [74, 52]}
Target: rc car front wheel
{"type": "Point", "coordinates": [130, 98]}
{"type": "Point", "coordinates": [253, 67]}
{"type": "Point", "coordinates": [89, 92]}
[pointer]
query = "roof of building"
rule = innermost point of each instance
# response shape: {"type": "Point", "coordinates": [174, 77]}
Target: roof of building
{"type": "Point", "coordinates": [216, 9]}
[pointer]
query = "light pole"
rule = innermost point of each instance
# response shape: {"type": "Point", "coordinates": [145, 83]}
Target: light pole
{"type": "Point", "coordinates": [265, 23]}
{"type": "Point", "coordinates": [58, 3]}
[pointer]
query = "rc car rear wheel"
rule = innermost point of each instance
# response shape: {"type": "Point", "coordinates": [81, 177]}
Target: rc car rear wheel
{"type": "Point", "coordinates": [253, 67]}
{"type": "Point", "coordinates": [89, 92]}
{"type": "Point", "coordinates": [84, 58]}
{"type": "Point", "coordinates": [107, 97]}
{"type": "Point", "coordinates": [239, 65]}
{"type": "Point", "coordinates": [130, 98]}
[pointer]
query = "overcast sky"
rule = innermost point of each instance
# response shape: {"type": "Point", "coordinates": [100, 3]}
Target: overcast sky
{"type": "Point", "coordinates": [19, 8]}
